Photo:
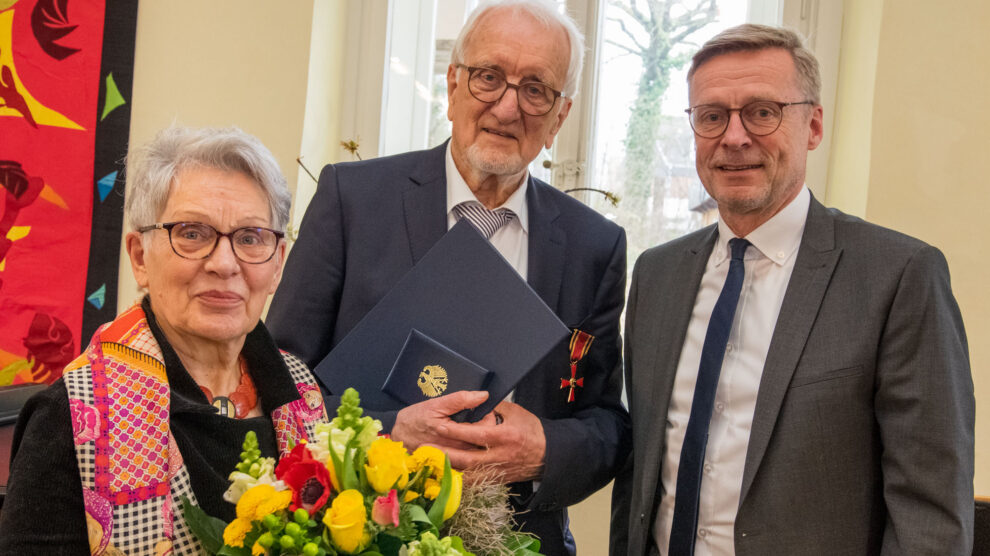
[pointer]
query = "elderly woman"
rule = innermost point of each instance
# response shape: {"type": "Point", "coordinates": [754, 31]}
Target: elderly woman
{"type": "Point", "coordinates": [158, 405]}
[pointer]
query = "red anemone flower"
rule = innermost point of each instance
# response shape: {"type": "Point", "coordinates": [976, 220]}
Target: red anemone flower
{"type": "Point", "coordinates": [307, 477]}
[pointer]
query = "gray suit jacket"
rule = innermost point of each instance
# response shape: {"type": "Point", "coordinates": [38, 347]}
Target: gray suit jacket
{"type": "Point", "coordinates": [862, 437]}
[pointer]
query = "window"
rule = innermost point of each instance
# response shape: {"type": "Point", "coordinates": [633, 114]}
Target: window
{"type": "Point", "coordinates": [627, 133]}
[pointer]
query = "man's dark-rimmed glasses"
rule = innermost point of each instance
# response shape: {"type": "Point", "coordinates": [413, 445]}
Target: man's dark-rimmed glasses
{"type": "Point", "coordinates": [195, 240]}
{"type": "Point", "coordinates": [489, 85]}
{"type": "Point", "coordinates": [761, 117]}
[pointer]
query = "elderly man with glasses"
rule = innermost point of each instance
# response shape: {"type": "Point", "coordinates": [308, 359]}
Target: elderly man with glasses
{"type": "Point", "coordinates": [514, 71]}
{"type": "Point", "coordinates": [798, 379]}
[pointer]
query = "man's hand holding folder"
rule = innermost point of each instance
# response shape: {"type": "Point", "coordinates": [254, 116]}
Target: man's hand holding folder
{"type": "Point", "coordinates": [516, 445]}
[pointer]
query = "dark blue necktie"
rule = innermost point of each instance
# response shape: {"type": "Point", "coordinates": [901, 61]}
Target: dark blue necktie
{"type": "Point", "coordinates": [684, 529]}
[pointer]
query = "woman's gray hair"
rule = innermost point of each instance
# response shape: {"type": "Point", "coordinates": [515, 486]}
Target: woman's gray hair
{"type": "Point", "coordinates": [154, 167]}
{"type": "Point", "coordinates": [751, 36]}
{"type": "Point", "coordinates": [548, 14]}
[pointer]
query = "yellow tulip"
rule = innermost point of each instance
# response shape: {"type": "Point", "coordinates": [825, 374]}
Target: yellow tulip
{"type": "Point", "coordinates": [386, 465]}
{"type": "Point", "coordinates": [346, 519]}
{"type": "Point", "coordinates": [454, 501]}
{"type": "Point", "coordinates": [333, 474]}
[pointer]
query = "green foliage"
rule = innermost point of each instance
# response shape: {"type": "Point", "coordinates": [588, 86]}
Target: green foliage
{"type": "Point", "coordinates": [208, 529]}
{"type": "Point", "coordinates": [436, 510]}
{"type": "Point", "coordinates": [409, 516]}
{"type": "Point", "coordinates": [522, 544]}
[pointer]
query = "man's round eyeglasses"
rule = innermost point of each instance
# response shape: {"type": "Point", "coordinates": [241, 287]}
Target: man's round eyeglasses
{"type": "Point", "coordinates": [194, 240]}
{"type": "Point", "coordinates": [761, 117]}
{"type": "Point", "coordinates": [489, 85]}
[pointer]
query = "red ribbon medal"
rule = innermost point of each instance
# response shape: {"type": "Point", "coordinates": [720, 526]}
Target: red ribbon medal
{"type": "Point", "coordinates": [580, 342]}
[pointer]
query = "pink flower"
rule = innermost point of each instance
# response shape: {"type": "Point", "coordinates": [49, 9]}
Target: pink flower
{"type": "Point", "coordinates": [85, 421]}
{"type": "Point", "coordinates": [385, 511]}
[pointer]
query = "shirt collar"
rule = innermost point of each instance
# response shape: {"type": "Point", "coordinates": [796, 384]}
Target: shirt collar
{"type": "Point", "coordinates": [777, 239]}
{"type": "Point", "coordinates": [459, 192]}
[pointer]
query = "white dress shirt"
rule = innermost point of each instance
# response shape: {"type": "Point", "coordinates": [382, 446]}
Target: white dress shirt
{"type": "Point", "coordinates": [511, 240]}
{"type": "Point", "coordinates": [769, 262]}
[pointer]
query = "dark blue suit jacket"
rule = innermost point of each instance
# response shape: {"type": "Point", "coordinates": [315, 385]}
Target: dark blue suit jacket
{"type": "Point", "coordinates": [371, 221]}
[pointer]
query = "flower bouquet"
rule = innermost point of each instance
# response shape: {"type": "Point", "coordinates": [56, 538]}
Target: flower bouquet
{"type": "Point", "coordinates": [351, 491]}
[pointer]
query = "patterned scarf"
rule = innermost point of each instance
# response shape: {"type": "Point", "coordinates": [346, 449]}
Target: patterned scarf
{"type": "Point", "coordinates": [133, 476]}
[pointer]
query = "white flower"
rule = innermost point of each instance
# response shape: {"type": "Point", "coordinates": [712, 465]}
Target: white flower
{"type": "Point", "coordinates": [327, 435]}
{"type": "Point", "coordinates": [242, 482]}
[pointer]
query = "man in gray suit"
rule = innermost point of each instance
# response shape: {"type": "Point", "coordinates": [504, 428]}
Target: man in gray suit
{"type": "Point", "coordinates": [809, 392]}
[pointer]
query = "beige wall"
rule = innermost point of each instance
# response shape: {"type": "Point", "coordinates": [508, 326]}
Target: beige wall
{"type": "Point", "coordinates": [929, 158]}
{"type": "Point", "coordinates": [221, 63]}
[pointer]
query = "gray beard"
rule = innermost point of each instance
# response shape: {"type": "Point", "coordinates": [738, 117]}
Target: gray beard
{"type": "Point", "coordinates": [495, 165]}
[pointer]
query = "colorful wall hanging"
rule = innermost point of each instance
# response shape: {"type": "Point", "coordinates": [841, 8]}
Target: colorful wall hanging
{"type": "Point", "coordinates": [65, 89]}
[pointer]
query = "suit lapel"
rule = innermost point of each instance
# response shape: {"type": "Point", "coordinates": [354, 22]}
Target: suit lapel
{"type": "Point", "coordinates": [809, 281]}
{"type": "Point", "coordinates": [547, 245]}
{"type": "Point", "coordinates": [424, 202]}
{"type": "Point", "coordinates": [669, 306]}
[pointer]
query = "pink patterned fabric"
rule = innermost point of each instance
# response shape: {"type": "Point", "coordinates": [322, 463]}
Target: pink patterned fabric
{"type": "Point", "coordinates": [139, 438]}
{"type": "Point", "coordinates": [85, 421]}
{"type": "Point", "coordinates": [132, 471]}
{"type": "Point", "coordinates": [99, 512]}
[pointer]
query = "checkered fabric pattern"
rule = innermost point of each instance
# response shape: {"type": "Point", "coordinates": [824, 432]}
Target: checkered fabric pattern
{"type": "Point", "coordinates": [183, 540]}
{"type": "Point", "coordinates": [137, 527]}
{"type": "Point", "coordinates": [76, 382]}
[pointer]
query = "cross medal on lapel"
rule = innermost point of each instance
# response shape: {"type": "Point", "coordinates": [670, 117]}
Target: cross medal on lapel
{"type": "Point", "coordinates": [580, 342]}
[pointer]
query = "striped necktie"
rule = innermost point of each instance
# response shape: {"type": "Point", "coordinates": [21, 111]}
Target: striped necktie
{"type": "Point", "coordinates": [486, 221]}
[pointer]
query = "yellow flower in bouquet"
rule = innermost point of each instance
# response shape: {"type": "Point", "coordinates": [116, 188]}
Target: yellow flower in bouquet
{"type": "Point", "coordinates": [386, 465]}
{"type": "Point", "coordinates": [262, 500]}
{"type": "Point", "coordinates": [429, 456]}
{"type": "Point", "coordinates": [388, 499]}
{"type": "Point", "coordinates": [432, 490]}
{"type": "Point", "coordinates": [454, 501]}
{"type": "Point", "coordinates": [234, 533]}
{"type": "Point", "coordinates": [346, 519]}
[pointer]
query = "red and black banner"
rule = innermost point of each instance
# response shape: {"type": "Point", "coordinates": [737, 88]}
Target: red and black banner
{"type": "Point", "coordinates": [66, 69]}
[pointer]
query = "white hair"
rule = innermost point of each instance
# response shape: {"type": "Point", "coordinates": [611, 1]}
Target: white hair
{"type": "Point", "coordinates": [154, 167]}
{"type": "Point", "coordinates": [548, 14]}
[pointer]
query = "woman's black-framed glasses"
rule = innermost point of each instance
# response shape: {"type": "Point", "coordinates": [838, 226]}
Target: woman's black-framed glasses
{"type": "Point", "coordinates": [195, 240]}
{"type": "Point", "coordinates": [489, 85]}
{"type": "Point", "coordinates": [760, 117]}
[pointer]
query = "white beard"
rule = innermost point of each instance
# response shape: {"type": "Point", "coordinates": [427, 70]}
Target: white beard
{"type": "Point", "coordinates": [494, 163]}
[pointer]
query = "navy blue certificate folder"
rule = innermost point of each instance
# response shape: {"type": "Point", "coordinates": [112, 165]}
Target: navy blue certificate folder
{"type": "Point", "coordinates": [426, 369]}
{"type": "Point", "coordinates": [464, 295]}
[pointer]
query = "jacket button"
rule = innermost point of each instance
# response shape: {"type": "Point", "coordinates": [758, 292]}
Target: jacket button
{"type": "Point", "coordinates": [642, 518]}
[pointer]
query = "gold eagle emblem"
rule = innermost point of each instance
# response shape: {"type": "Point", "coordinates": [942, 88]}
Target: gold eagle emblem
{"type": "Point", "coordinates": [432, 380]}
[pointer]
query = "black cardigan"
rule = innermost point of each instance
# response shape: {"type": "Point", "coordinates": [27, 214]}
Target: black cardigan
{"type": "Point", "coordinates": [43, 512]}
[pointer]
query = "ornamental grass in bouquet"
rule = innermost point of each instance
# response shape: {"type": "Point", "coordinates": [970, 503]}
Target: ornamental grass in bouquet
{"type": "Point", "coordinates": [352, 491]}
